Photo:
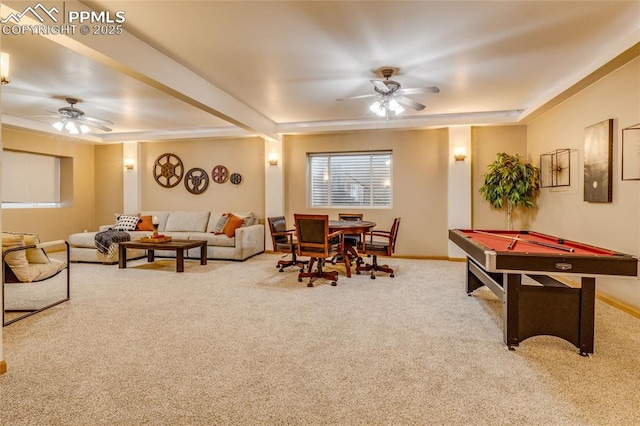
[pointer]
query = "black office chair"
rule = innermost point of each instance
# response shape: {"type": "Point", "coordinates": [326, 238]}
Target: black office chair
{"type": "Point", "coordinates": [284, 242]}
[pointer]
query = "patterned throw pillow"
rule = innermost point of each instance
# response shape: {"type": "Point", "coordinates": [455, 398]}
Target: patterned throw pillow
{"type": "Point", "coordinates": [220, 224]}
{"type": "Point", "coordinates": [126, 223]}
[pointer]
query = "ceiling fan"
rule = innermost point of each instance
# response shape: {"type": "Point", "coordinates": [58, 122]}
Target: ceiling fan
{"type": "Point", "coordinates": [74, 121]}
{"type": "Point", "coordinates": [390, 96]}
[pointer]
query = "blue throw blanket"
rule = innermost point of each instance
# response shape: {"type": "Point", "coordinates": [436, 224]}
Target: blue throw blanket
{"type": "Point", "coordinates": [107, 241]}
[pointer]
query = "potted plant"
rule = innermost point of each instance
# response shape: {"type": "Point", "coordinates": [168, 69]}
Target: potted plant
{"type": "Point", "coordinates": [510, 182]}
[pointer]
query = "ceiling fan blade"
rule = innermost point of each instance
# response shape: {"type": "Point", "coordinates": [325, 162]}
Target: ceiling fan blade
{"type": "Point", "coordinates": [403, 100]}
{"type": "Point", "coordinates": [358, 97]}
{"type": "Point", "coordinates": [96, 120]}
{"type": "Point", "coordinates": [89, 123]}
{"type": "Point", "coordinates": [380, 85]}
{"type": "Point", "coordinates": [420, 90]}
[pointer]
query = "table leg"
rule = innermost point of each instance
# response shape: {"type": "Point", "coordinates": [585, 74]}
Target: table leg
{"type": "Point", "coordinates": [587, 314]}
{"type": "Point", "coordinates": [347, 259]}
{"type": "Point", "coordinates": [122, 257]}
{"type": "Point", "coordinates": [511, 309]}
{"type": "Point", "coordinates": [180, 260]}
{"type": "Point", "coordinates": [203, 254]}
{"type": "Point", "coordinates": [151, 255]}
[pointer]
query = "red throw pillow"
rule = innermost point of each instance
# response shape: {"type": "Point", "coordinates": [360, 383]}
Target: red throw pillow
{"type": "Point", "coordinates": [145, 224]}
{"type": "Point", "coordinates": [233, 222]}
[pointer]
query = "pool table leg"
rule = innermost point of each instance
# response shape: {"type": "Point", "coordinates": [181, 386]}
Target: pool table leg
{"type": "Point", "coordinates": [587, 315]}
{"type": "Point", "coordinates": [511, 310]}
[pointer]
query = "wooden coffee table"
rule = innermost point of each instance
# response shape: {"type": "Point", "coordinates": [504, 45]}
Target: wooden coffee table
{"type": "Point", "coordinates": [179, 246]}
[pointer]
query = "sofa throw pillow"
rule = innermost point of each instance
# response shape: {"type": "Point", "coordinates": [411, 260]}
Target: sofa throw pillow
{"type": "Point", "coordinates": [16, 260]}
{"type": "Point", "coordinates": [126, 223]}
{"type": "Point", "coordinates": [145, 223]}
{"type": "Point", "coordinates": [35, 255]}
{"type": "Point", "coordinates": [233, 222]}
{"type": "Point", "coordinates": [221, 223]}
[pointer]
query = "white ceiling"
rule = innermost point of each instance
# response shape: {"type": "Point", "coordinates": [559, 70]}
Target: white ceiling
{"type": "Point", "coordinates": [227, 68]}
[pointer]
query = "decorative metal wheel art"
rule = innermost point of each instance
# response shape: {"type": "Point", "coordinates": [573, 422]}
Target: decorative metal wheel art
{"type": "Point", "coordinates": [196, 180]}
{"type": "Point", "coordinates": [168, 170]}
{"type": "Point", "coordinates": [220, 174]}
{"type": "Point", "coordinates": [236, 178]}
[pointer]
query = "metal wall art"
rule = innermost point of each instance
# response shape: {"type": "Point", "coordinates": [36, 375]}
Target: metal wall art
{"type": "Point", "coordinates": [631, 152]}
{"type": "Point", "coordinates": [220, 174]}
{"type": "Point", "coordinates": [196, 180]}
{"type": "Point", "coordinates": [168, 170]}
{"type": "Point", "coordinates": [555, 168]}
{"type": "Point", "coordinates": [598, 162]}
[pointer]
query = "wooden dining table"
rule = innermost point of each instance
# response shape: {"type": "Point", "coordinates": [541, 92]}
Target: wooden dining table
{"type": "Point", "coordinates": [350, 227]}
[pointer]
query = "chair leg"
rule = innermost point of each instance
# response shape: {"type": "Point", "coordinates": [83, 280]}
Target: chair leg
{"type": "Point", "coordinates": [293, 262]}
{"type": "Point", "coordinates": [318, 273]}
{"type": "Point", "coordinates": [373, 267]}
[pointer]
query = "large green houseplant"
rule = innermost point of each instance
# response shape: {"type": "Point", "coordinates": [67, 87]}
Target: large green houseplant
{"type": "Point", "coordinates": [509, 183]}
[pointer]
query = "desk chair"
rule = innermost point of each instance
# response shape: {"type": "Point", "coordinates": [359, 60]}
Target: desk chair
{"type": "Point", "coordinates": [283, 242]}
{"type": "Point", "coordinates": [353, 240]}
{"type": "Point", "coordinates": [314, 240]}
{"type": "Point", "coordinates": [378, 243]}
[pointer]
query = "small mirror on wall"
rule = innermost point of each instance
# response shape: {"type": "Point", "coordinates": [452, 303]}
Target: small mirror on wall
{"type": "Point", "coordinates": [631, 153]}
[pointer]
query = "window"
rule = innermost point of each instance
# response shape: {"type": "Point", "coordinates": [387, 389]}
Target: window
{"type": "Point", "coordinates": [30, 180]}
{"type": "Point", "coordinates": [356, 179]}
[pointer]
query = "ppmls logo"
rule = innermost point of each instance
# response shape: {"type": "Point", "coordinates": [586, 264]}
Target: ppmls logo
{"type": "Point", "coordinates": [72, 21]}
{"type": "Point", "coordinates": [16, 17]}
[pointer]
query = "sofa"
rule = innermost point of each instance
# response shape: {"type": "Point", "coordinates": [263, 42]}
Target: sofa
{"type": "Point", "coordinates": [243, 240]}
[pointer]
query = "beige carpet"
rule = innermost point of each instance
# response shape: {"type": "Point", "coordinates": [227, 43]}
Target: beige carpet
{"type": "Point", "coordinates": [242, 344]}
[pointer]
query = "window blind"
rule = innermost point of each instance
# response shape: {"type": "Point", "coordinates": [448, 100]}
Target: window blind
{"type": "Point", "coordinates": [350, 179]}
{"type": "Point", "coordinates": [30, 179]}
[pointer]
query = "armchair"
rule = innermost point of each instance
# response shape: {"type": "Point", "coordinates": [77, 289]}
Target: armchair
{"type": "Point", "coordinates": [25, 267]}
{"type": "Point", "coordinates": [283, 242]}
{"type": "Point", "coordinates": [314, 241]}
{"type": "Point", "coordinates": [378, 243]}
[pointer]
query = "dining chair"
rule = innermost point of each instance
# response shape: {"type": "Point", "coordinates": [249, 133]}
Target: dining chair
{"type": "Point", "coordinates": [315, 241]}
{"type": "Point", "coordinates": [353, 240]}
{"type": "Point", "coordinates": [378, 243]}
{"type": "Point", "coordinates": [284, 242]}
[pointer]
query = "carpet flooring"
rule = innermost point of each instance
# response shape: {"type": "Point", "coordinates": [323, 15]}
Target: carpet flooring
{"type": "Point", "coordinates": [238, 343]}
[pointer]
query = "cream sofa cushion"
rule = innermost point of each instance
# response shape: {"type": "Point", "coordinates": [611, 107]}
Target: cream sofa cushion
{"type": "Point", "coordinates": [187, 222]}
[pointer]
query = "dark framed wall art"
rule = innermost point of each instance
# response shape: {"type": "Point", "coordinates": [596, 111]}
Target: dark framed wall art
{"type": "Point", "coordinates": [555, 168]}
{"type": "Point", "coordinates": [598, 162]}
{"type": "Point", "coordinates": [631, 153]}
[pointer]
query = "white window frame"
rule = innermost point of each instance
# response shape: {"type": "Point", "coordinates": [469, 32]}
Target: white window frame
{"type": "Point", "coordinates": [387, 155]}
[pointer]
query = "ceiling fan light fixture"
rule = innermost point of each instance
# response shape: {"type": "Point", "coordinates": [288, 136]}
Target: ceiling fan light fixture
{"type": "Point", "coordinates": [71, 128]}
{"type": "Point", "coordinates": [58, 125]}
{"type": "Point", "coordinates": [84, 129]}
{"type": "Point", "coordinates": [395, 107]}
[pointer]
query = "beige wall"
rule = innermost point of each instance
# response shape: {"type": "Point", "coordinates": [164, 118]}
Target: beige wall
{"type": "Point", "coordinates": [108, 177]}
{"type": "Point", "coordinates": [562, 211]}
{"type": "Point", "coordinates": [55, 223]}
{"type": "Point", "coordinates": [486, 142]}
{"type": "Point", "coordinates": [419, 183]}
{"type": "Point", "coordinates": [238, 155]}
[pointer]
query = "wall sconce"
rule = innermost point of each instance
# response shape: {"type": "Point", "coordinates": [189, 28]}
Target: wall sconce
{"type": "Point", "coordinates": [4, 68]}
{"type": "Point", "coordinates": [128, 163]}
{"type": "Point", "coordinates": [459, 154]}
{"type": "Point", "coordinates": [272, 159]}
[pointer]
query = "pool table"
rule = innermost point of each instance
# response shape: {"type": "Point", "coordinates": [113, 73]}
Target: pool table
{"type": "Point", "coordinates": [542, 305]}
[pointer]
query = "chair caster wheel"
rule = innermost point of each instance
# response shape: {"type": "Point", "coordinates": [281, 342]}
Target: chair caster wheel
{"type": "Point", "coordinates": [299, 280]}
{"type": "Point", "coordinates": [310, 285]}
{"type": "Point", "coordinates": [373, 277]}
{"type": "Point", "coordinates": [357, 272]}
{"type": "Point", "coordinates": [281, 270]}
{"type": "Point", "coordinates": [392, 275]}
{"type": "Point", "coordinates": [333, 283]}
